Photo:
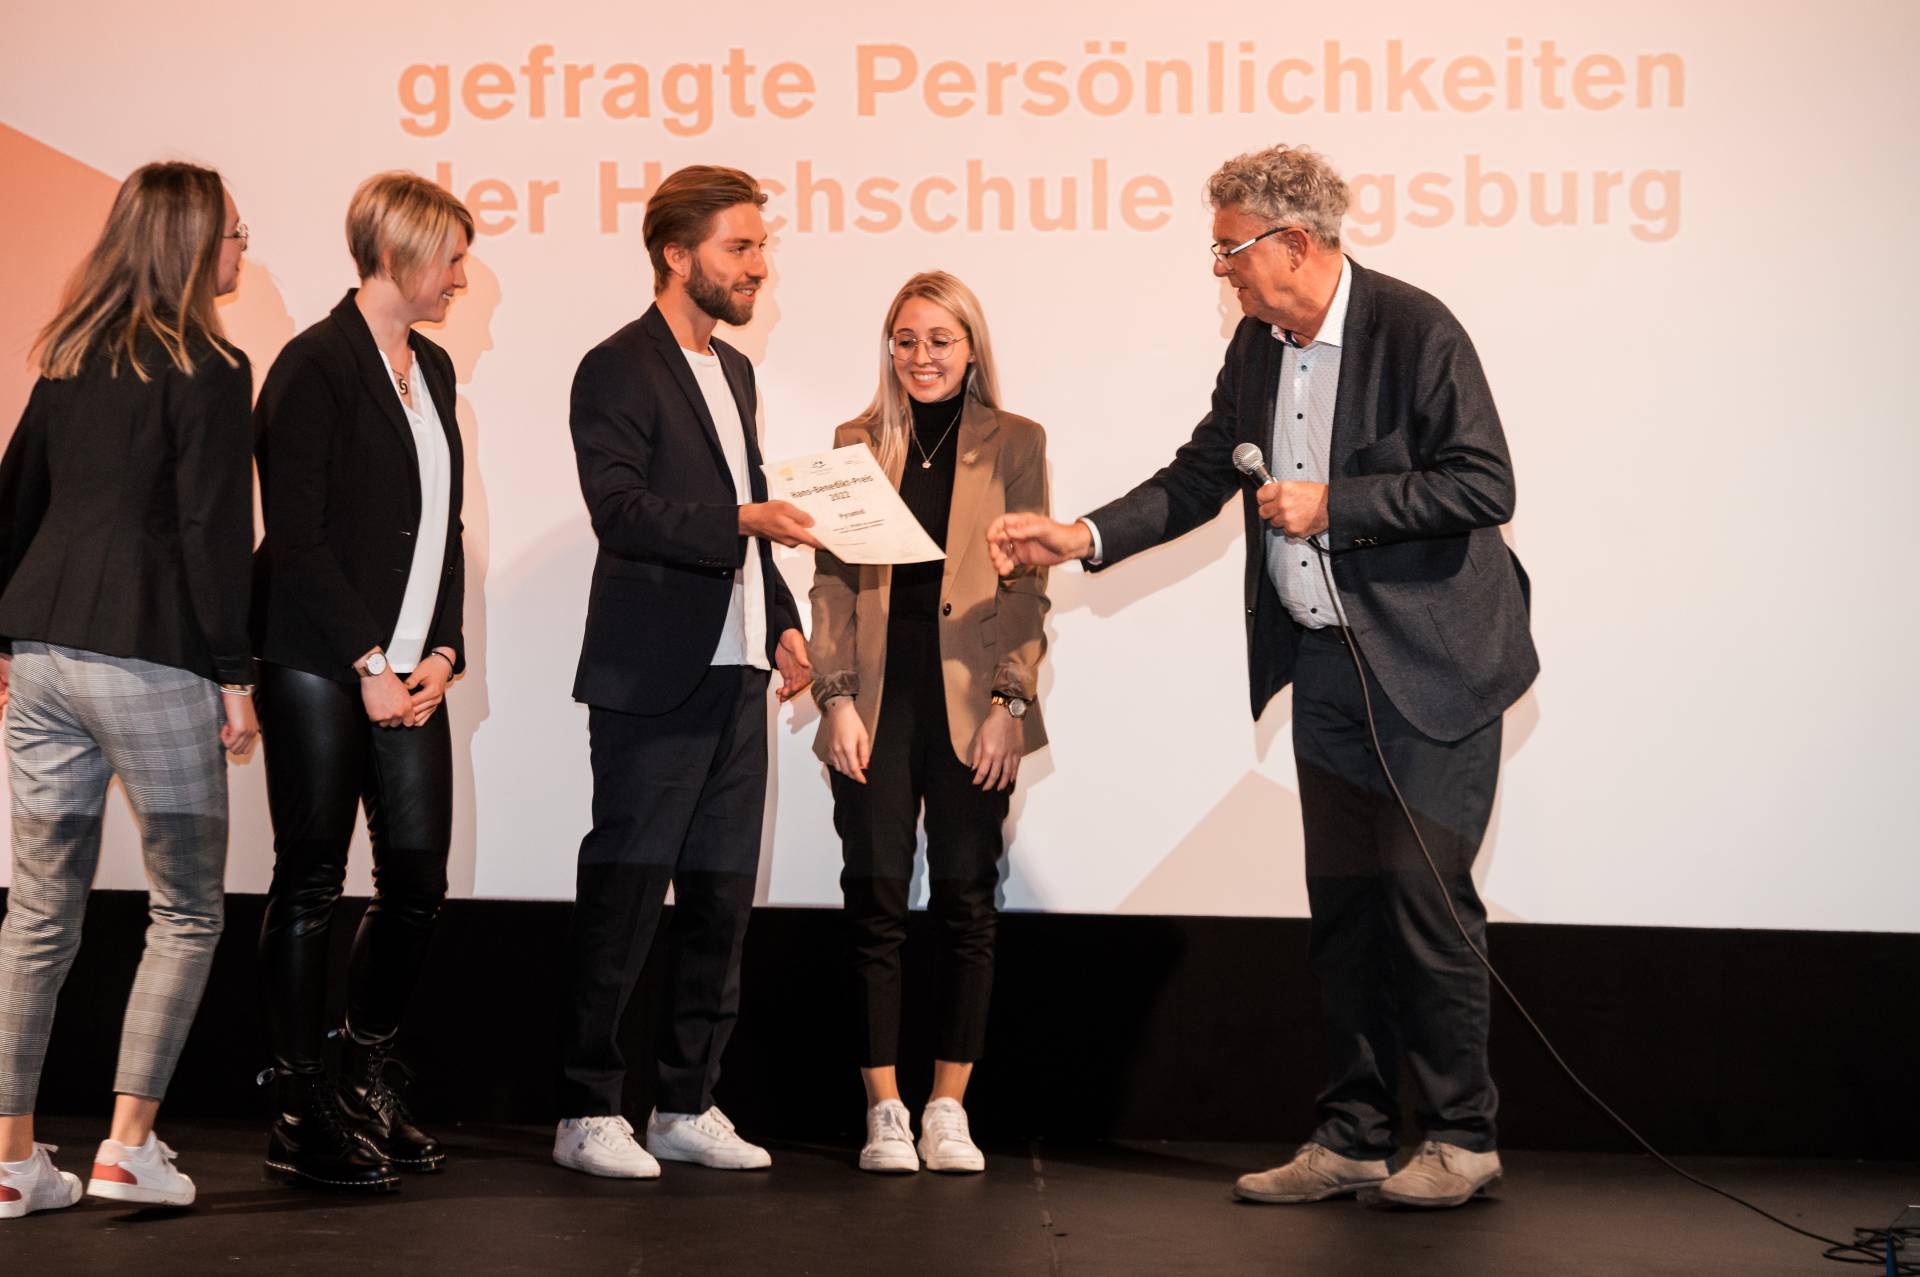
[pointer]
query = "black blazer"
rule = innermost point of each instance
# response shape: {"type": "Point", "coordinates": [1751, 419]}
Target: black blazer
{"type": "Point", "coordinates": [665, 510]}
{"type": "Point", "coordinates": [340, 492]}
{"type": "Point", "coordinates": [126, 513]}
{"type": "Point", "coordinates": [1420, 484]}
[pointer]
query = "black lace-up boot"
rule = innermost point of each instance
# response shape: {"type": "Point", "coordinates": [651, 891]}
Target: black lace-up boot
{"type": "Point", "coordinates": [379, 1111]}
{"type": "Point", "coordinates": [314, 1143]}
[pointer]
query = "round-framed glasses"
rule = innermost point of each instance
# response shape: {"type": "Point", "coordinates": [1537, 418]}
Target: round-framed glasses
{"type": "Point", "coordinates": [907, 347]}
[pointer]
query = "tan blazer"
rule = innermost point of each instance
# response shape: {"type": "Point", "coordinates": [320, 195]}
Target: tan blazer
{"type": "Point", "coordinates": [992, 631]}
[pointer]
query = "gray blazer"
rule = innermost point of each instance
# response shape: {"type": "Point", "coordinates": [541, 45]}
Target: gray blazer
{"type": "Point", "coordinates": [1421, 482]}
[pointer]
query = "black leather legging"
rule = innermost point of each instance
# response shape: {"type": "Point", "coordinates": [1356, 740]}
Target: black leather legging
{"type": "Point", "coordinates": [324, 758]}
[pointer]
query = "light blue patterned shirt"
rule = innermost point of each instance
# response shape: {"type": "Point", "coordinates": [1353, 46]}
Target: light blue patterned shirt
{"type": "Point", "coordinates": [1302, 437]}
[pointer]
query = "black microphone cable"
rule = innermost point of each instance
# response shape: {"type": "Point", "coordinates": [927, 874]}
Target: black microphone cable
{"type": "Point", "coordinates": [1870, 1246]}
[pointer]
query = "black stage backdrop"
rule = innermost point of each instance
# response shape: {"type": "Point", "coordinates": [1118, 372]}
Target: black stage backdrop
{"type": "Point", "coordinates": [1711, 1041]}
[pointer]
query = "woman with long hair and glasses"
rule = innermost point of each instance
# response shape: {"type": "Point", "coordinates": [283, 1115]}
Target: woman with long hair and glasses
{"type": "Point", "coordinates": [359, 587]}
{"type": "Point", "coordinates": [126, 520]}
{"type": "Point", "coordinates": [926, 677]}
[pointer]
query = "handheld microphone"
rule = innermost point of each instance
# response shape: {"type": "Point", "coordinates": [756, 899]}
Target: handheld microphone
{"type": "Point", "coordinates": [1249, 460]}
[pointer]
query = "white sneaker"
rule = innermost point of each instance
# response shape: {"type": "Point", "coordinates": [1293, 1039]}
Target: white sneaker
{"type": "Point", "coordinates": [707, 1138]}
{"type": "Point", "coordinates": [602, 1146]}
{"type": "Point", "coordinates": [141, 1173]}
{"type": "Point", "coordinates": [36, 1184]}
{"type": "Point", "coordinates": [889, 1146]}
{"type": "Point", "coordinates": [945, 1144]}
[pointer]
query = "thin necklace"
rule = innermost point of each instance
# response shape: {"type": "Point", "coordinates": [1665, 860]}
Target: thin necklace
{"type": "Point", "coordinates": [926, 458]}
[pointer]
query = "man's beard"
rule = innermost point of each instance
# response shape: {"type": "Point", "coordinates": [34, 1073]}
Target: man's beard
{"type": "Point", "coordinates": [718, 300]}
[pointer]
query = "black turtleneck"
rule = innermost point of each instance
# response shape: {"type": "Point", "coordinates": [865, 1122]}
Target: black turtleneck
{"type": "Point", "coordinates": [928, 492]}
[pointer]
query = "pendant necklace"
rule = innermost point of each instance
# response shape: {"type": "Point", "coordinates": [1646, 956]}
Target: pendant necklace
{"type": "Point", "coordinates": [926, 458]}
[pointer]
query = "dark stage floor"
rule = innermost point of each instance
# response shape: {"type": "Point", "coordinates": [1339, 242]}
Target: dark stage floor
{"type": "Point", "coordinates": [502, 1207]}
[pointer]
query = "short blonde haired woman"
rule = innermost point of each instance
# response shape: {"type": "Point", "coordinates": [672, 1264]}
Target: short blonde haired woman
{"type": "Point", "coordinates": [126, 519]}
{"type": "Point", "coordinates": [927, 675]}
{"type": "Point", "coordinates": [358, 619]}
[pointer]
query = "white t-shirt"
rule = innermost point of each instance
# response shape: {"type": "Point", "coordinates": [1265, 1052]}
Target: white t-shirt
{"type": "Point", "coordinates": [409, 640]}
{"type": "Point", "coordinates": [743, 639]}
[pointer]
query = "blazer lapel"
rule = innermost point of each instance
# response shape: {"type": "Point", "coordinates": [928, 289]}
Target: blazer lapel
{"type": "Point", "coordinates": [675, 359]}
{"type": "Point", "coordinates": [446, 400]}
{"type": "Point", "coordinates": [373, 375]}
{"type": "Point", "coordinates": [738, 370]}
{"type": "Point", "coordinates": [1353, 425]}
{"type": "Point", "coordinates": [878, 576]}
{"type": "Point", "coordinates": [1266, 386]}
{"type": "Point", "coordinates": [979, 446]}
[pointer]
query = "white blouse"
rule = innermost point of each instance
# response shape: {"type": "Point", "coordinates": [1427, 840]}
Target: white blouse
{"type": "Point", "coordinates": [409, 639]}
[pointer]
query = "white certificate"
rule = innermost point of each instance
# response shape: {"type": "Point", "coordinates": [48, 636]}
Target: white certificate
{"type": "Point", "coordinates": [856, 513]}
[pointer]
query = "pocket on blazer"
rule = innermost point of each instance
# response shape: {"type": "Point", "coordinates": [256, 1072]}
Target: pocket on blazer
{"type": "Point", "coordinates": [1389, 454]}
{"type": "Point", "coordinates": [1454, 648]}
{"type": "Point", "coordinates": [628, 569]}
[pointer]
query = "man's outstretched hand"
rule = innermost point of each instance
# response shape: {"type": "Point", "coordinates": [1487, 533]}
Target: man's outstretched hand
{"type": "Point", "coordinates": [1033, 540]}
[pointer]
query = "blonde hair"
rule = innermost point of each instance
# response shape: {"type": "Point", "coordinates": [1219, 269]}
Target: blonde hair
{"type": "Point", "coordinates": [1286, 185]}
{"type": "Point", "coordinates": [398, 222]}
{"type": "Point", "coordinates": [890, 415]}
{"type": "Point", "coordinates": [154, 270]}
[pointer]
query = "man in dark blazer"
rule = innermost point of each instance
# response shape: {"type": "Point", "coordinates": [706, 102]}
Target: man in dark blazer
{"type": "Point", "coordinates": [687, 618]}
{"type": "Point", "coordinates": [1378, 547]}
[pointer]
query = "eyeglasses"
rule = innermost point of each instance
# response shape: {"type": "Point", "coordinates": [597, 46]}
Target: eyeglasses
{"type": "Point", "coordinates": [1222, 254]}
{"type": "Point", "coordinates": [905, 346]}
{"type": "Point", "coordinates": [239, 232]}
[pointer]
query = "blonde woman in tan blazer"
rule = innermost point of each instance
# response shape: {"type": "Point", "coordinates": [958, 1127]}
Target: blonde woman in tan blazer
{"type": "Point", "coordinates": [926, 675]}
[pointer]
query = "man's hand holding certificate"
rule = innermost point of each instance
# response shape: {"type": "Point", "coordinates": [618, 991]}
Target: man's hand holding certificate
{"type": "Point", "coordinates": [857, 514]}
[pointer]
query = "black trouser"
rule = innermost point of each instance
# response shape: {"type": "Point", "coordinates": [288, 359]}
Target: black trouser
{"type": "Point", "coordinates": [677, 798]}
{"type": "Point", "coordinates": [912, 761]}
{"type": "Point", "coordinates": [324, 758]}
{"type": "Point", "coordinates": [1394, 973]}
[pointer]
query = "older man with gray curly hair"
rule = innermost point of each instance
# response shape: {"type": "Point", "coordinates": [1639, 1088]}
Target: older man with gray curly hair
{"type": "Point", "coordinates": [1377, 585]}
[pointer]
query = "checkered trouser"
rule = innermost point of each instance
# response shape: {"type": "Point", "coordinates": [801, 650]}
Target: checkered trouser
{"type": "Point", "coordinates": [74, 721]}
